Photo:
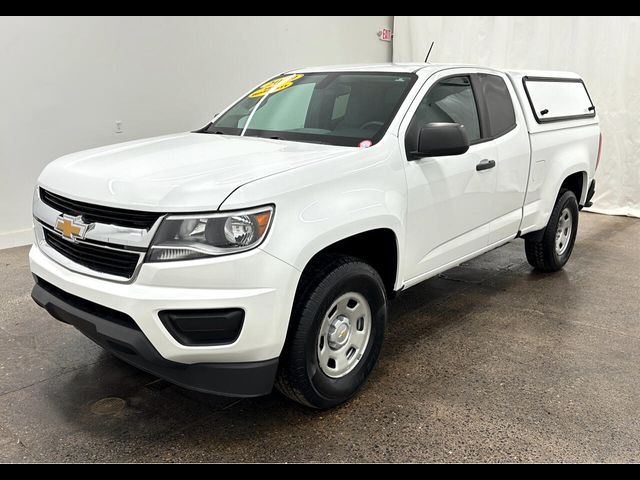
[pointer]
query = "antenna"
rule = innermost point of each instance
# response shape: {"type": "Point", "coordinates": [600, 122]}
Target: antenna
{"type": "Point", "coordinates": [429, 52]}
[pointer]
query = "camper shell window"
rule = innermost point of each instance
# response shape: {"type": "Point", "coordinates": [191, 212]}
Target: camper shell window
{"type": "Point", "coordinates": [558, 99]}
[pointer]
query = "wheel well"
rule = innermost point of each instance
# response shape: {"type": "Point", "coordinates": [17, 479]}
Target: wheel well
{"type": "Point", "coordinates": [575, 183]}
{"type": "Point", "coordinates": [377, 247]}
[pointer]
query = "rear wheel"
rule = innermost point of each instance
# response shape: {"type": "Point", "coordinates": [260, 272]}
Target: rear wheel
{"type": "Point", "coordinates": [337, 329]}
{"type": "Point", "coordinates": [550, 250]}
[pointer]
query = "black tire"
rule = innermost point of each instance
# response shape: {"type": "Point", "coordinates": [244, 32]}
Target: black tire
{"type": "Point", "coordinates": [300, 376]}
{"type": "Point", "coordinates": [540, 246]}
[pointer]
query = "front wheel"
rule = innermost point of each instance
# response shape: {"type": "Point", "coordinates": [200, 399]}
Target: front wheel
{"type": "Point", "coordinates": [337, 329]}
{"type": "Point", "coordinates": [550, 251]}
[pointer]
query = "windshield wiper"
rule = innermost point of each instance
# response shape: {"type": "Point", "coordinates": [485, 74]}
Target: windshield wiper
{"type": "Point", "coordinates": [270, 137]}
{"type": "Point", "coordinates": [217, 132]}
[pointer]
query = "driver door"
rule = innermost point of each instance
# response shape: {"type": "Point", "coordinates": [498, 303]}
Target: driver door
{"type": "Point", "coordinates": [449, 197]}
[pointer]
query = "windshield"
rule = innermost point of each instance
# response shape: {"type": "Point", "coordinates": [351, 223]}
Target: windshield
{"type": "Point", "coordinates": [349, 109]}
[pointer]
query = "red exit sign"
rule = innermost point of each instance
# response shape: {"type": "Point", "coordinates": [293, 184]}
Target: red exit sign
{"type": "Point", "coordinates": [385, 34]}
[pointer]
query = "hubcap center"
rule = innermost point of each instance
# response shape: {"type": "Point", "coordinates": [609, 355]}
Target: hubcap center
{"type": "Point", "coordinates": [339, 332]}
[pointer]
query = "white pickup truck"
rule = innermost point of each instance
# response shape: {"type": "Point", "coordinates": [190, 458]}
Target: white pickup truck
{"type": "Point", "coordinates": [262, 249]}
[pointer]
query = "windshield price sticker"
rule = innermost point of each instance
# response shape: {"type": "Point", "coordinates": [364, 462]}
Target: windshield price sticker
{"type": "Point", "coordinates": [276, 85]}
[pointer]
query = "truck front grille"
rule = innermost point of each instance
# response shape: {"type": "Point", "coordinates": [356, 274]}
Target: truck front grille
{"type": "Point", "coordinates": [120, 263]}
{"type": "Point", "coordinates": [98, 213]}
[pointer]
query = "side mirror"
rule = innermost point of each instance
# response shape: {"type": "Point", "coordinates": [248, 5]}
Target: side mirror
{"type": "Point", "coordinates": [441, 139]}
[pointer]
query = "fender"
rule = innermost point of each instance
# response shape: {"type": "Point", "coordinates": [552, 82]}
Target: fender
{"type": "Point", "coordinates": [329, 201]}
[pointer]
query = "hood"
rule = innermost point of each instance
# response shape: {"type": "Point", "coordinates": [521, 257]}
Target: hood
{"type": "Point", "coordinates": [176, 173]}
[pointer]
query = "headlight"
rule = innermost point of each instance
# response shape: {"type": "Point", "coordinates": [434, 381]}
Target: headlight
{"type": "Point", "coordinates": [185, 237]}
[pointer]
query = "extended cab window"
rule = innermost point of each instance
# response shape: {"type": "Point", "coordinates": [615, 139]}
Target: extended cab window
{"type": "Point", "coordinates": [333, 108]}
{"type": "Point", "coordinates": [451, 100]}
{"type": "Point", "coordinates": [500, 118]}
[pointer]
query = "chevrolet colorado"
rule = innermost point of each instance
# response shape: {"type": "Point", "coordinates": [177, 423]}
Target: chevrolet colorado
{"type": "Point", "coordinates": [262, 249]}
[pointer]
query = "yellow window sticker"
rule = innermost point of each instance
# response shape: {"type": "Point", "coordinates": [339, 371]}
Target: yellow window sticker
{"type": "Point", "coordinates": [276, 85]}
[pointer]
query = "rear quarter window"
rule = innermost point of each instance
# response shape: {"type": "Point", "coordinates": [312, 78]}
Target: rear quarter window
{"type": "Point", "coordinates": [501, 117]}
{"type": "Point", "coordinates": [558, 99]}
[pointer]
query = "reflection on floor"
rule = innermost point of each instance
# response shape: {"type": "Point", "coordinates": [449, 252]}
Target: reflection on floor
{"type": "Point", "coordinates": [488, 362]}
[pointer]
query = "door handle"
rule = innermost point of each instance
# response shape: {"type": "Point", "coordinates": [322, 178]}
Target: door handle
{"type": "Point", "coordinates": [485, 165]}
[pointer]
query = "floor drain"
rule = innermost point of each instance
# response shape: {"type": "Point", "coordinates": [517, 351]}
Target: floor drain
{"type": "Point", "coordinates": [108, 406]}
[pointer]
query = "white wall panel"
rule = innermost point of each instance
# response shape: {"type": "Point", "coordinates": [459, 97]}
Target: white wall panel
{"type": "Point", "coordinates": [65, 81]}
{"type": "Point", "coordinates": [603, 50]}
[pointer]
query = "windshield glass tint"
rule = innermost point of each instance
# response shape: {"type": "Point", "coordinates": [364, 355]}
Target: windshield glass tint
{"type": "Point", "coordinates": [332, 108]}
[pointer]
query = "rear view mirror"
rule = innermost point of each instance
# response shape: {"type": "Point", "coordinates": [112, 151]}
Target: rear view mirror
{"type": "Point", "coordinates": [441, 139]}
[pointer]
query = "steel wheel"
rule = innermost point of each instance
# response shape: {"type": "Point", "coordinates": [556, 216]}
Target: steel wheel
{"type": "Point", "coordinates": [344, 335]}
{"type": "Point", "coordinates": [563, 231]}
{"type": "Point", "coordinates": [337, 330]}
{"type": "Point", "coordinates": [549, 250]}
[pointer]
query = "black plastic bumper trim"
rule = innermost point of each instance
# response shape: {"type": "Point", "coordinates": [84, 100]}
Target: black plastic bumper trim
{"type": "Point", "coordinates": [203, 327]}
{"type": "Point", "coordinates": [250, 379]}
{"type": "Point", "coordinates": [85, 305]}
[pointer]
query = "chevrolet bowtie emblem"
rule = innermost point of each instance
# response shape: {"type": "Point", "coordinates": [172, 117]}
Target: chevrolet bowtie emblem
{"type": "Point", "coordinates": [72, 228]}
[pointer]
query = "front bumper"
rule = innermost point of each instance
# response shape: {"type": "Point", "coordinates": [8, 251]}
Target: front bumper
{"type": "Point", "coordinates": [130, 344]}
{"type": "Point", "coordinates": [254, 281]}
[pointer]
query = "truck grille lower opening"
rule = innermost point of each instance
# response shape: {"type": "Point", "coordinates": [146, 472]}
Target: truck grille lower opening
{"type": "Point", "coordinates": [104, 260]}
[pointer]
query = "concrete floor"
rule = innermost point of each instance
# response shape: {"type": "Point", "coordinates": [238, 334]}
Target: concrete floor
{"type": "Point", "coordinates": [490, 362]}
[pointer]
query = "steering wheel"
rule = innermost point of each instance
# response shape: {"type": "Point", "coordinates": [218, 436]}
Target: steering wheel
{"type": "Point", "coordinates": [371, 124]}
